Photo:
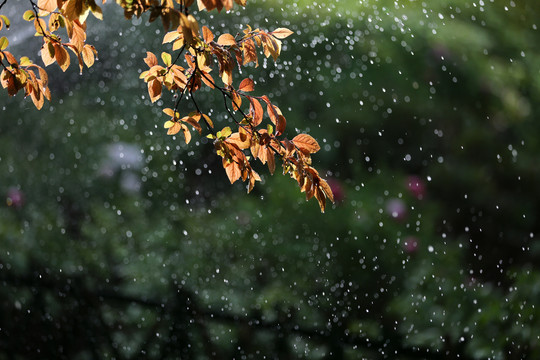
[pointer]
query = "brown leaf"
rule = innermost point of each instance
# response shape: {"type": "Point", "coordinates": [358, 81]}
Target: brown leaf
{"type": "Point", "coordinates": [236, 100]}
{"type": "Point", "coordinates": [326, 189]}
{"type": "Point", "coordinates": [246, 85]}
{"type": "Point", "coordinates": [208, 36]}
{"type": "Point", "coordinates": [37, 99]}
{"type": "Point", "coordinates": [250, 53]}
{"type": "Point", "coordinates": [62, 56]}
{"type": "Point", "coordinates": [151, 59]}
{"type": "Point", "coordinates": [319, 195]}
{"type": "Point", "coordinates": [193, 123]}
{"type": "Point", "coordinates": [271, 161]}
{"type": "Point", "coordinates": [233, 170]}
{"type": "Point", "coordinates": [306, 143]}
{"type": "Point", "coordinates": [281, 123]}
{"type": "Point", "coordinates": [208, 120]}
{"type": "Point", "coordinates": [256, 111]}
{"type": "Point", "coordinates": [154, 90]}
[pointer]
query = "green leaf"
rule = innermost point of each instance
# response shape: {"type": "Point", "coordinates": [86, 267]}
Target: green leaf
{"type": "Point", "coordinates": [29, 15]}
{"type": "Point", "coordinates": [3, 43]}
{"type": "Point", "coordinates": [166, 57]}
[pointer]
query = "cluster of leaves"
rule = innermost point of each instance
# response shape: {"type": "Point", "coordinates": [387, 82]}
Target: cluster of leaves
{"type": "Point", "coordinates": [202, 53]}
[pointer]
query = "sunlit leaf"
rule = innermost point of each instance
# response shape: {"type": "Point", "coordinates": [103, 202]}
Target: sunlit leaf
{"type": "Point", "coordinates": [29, 15]}
{"type": "Point", "coordinates": [3, 43]}
{"type": "Point", "coordinates": [226, 40]}
{"type": "Point", "coordinates": [168, 124]}
{"type": "Point", "coordinates": [208, 36]}
{"type": "Point", "coordinates": [154, 90]}
{"type": "Point", "coordinates": [281, 33]}
{"type": "Point", "coordinates": [47, 5]}
{"type": "Point", "coordinates": [166, 57]}
{"type": "Point", "coordinates": [246, 85]}
{"type": "Point", "coordinates": [174, 128]}
{"type": "Point", "coordinates": [4, 20]}
{"type": "Point", "coordinates": [151, 59]}
{"type": "Point", "coordinates": [306, 143]}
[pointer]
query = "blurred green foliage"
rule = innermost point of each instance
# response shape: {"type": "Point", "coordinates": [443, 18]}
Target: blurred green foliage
{"type": "Point", "coordinates": [117, 241]}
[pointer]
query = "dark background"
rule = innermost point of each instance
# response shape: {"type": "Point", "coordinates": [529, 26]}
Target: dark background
{"type": "Point", "coordinates": [120, 242]}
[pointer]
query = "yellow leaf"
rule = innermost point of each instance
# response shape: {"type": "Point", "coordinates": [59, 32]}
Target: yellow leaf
{"type": "Point", "coordinates": [169, 112]}
{"type": "Point", "coordinates": [3, 43]}
{"type": "Point", "coordinates": [29, 15]}
{"type": "Point", "coordinates": [168, 124]}
{"type": "Point", "coordinates": [25, 61]}
{"type": "Point", "coordinates": [4, 20]}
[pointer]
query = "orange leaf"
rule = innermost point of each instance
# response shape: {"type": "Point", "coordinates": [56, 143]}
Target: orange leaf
{"type": "Point", "coordinates": [47, 5]}
{"type": "Point", "coordinates": [281, 33]}
{"type": "Point", "coordinates": [236, 100]}
{"type": "Point", "coordinates": [192, 122]}
{"type": "Point", "coordinates": [88, 53]}
{"type": "Point", "coordinates": [207, 35]}
{"type": "Point", "coordinates": [326, 188]}
{"type": "Point", "coordinates": [246, 85]}
{"type": "Point", "coordinates": [208, 120]}
{"type": "Point", "coordinates": [306, 143]}
{"type": "Point", "coordinates": [47, 53]}
{"type": "Point", "coordinates": [187, 134]}
{"type": "Point", "coordinates": [169, 112]}
{"type": "Point", "coordinates": [78, 35]}
{"type": "Point", "coordinates": [151, 59]}
{"type": "Point", "coordinates": [62, 57]}
{"type": "Point", "coordinates": [256, 111]}
{"type": "Point", "coordinates": [226, 40]}
{"type": "Point", "coordinates": [233, 170]}
{"type": "Point", "coordinates": [174, 128]}
{"type": "Point", "coordinates": [154, 90]}
{"type": "Point", "coordinates": [171, 36]}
